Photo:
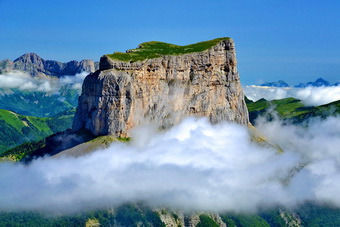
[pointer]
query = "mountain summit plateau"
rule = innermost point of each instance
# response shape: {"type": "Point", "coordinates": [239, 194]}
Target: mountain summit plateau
{"type": "Point", "coordinates": [162, 83]}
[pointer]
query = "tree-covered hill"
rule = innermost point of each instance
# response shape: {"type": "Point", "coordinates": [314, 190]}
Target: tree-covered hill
{"type": "Point", "coordinates": [16, 129]}
{"type": "Point", "coordinates": [38, 103]}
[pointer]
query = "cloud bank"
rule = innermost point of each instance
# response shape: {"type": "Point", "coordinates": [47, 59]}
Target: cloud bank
{"type": "Point", "coordinates": [311, 96]}
{"type": "Point", "coordinates": [192, 166]}
{"type": "Point", "coordinates": [24, 81]}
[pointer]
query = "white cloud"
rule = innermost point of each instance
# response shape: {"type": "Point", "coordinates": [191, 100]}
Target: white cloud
{"type": "Point", "coordinates": [76, 81]}
{"type": "Point", "coordinates": [24, 81]}
{"type": "Point", "coordinates": [194, 165]}
{"type": "Point", "coordinates": [312, 96]}
{"type": "Point", "coordinates": [319, 95]}
{"type": "Point", "coordinates": [318, 145]}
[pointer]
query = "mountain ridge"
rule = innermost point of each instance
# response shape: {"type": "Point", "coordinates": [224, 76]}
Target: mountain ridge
{"type": "Point", "coordinates": [317, 83]}
{"type": "Point", "coordinates": [34, 65]}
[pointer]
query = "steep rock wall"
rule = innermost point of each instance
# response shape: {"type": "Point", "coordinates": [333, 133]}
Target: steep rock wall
{"type": "Point", "coordinates": [122, 95]}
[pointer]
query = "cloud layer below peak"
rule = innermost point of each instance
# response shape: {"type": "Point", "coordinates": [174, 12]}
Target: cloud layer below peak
{"type": "Point", "coordinates": [311, 96]}
{"type": "Point", "coordinates": [192, 166]}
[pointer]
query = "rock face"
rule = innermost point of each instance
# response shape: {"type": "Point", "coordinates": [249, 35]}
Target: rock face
{"type": "Point", "coordinates": [36, 66]}
{"type": "Point", "coordinates": [122, 95]}
{"type": "Point", "coordinates": [177, 218]}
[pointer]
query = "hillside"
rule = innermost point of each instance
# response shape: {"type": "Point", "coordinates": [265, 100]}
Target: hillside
{"type": "Point", "coordinates": [38, 103]}
{"type": "Point", "coordinates": [142, 215]}
{"type": "Point", "coordinates": [290, 109]}
{"type": "Point", "coordinates": [16, 129]}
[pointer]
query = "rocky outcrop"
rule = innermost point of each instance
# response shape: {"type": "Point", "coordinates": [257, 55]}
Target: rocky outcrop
{"type": "Point", "coordinates": [6, 66]}
{"type": "Point", "coordinates": [125, 94]}
{"type": "Point", "coordinates": [36, 66]}
{"type": "Point", "coordinates": [171, 218]}
{"type": "Point", "coordinates": [290, 218]}
{"type": "Point", "coordinates": [177, 218]}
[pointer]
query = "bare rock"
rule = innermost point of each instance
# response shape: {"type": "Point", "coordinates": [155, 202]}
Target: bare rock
{"type": "Point", "coordinates": [164, 90]}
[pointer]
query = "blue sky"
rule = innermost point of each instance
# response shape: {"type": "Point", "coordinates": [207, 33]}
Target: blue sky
{"type": "Point", "coordinates": [290, 40]}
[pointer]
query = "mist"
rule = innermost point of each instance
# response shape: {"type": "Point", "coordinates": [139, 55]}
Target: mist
{"type": "Point", "coordinates": [311, 96]}
{"type": "Point", "coordinates": [192, 166]}
{"type": "Point", "coordinates": [23, 81]}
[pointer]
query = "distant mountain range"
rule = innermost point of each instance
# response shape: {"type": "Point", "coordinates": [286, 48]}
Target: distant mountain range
{"type": "Point", "coordinates": [318, 83]}
{"type": "Point", "coordinates": [279, 83]}
{"type": "Point", "coordinates": [34, 65]}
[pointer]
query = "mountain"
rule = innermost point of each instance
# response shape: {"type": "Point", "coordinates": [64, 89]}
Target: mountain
{"type": "Point", "coordinates": [318, 83]}
{"type": "Point", "coordinates": [163, 83]}
{"type": "Point", "coordinates": [164, 88]}
{"type": "Point", "coordinates": [34, 65]}
{"type": "Point", "coordinates": [16, 129]}
{"type": "Point", "coordinates": [279, 83]}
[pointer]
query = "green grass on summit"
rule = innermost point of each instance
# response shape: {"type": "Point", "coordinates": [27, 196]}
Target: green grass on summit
{"type": "Point", "coordinates": [155, 49]}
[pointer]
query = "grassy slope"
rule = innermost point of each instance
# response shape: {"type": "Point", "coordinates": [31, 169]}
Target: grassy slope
{"type": "Point", "coordinates": [100, 142]}
{"type": "Point", "coordinates": [54, 144]}
{"type": "Point", "coordinates": [154, 49]}
{"type": "Point", "coordinates": [290, 108]}
{"type": "Point", "coordinates": [39, 104]}
{"type": "Point", "coordinates": [16, 129]}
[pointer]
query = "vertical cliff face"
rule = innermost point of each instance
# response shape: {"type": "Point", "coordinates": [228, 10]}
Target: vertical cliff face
{"type": "Point", "coordinates": [139, 86]}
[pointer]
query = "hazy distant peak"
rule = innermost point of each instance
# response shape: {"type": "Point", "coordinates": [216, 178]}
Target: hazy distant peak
{"type": "Point", "coordinates": [321, 82]}
{"type": "Point", "coordinates": [34, 65]}
{"type": "Point", "coordinates": [317, 83]}
{"type": "Point", "coordinates": [279, 83]}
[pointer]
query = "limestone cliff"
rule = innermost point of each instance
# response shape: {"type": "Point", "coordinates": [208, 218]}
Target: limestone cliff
{"type": "Point", "coordinates": [162, 83]}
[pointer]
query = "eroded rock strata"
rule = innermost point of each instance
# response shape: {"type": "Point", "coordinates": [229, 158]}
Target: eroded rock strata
{"type": "Point", "coordinates": [124, 94]}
